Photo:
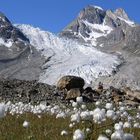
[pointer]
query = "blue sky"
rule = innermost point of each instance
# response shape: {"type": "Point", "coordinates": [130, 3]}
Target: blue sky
{"type": "Point", "coordinates": [54, 15]}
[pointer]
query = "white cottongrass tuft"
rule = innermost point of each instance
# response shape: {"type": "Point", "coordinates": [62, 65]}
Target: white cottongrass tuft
{"type": "Point", "coordinates": [61, 115]}
{"type": "Point", "coordinates": [98, 115]}
{"type": "Point", "coordinates": [98, 103]}
{"type": "Point", "coordinates": [109, 106]}
{"type": "Point", "coordinates": [79, 100]}
{"type": "Point", "coordinates": [126, 125]}
{"type": "Point", "coordinates": [118, 126]}
{"type": "Point", "coordinates": [85, 115]}
{"type": "Point", "coordinates": [75, 117]}
{"type": "Point", "coordinates": [117, 135]}
{"type": "Point", "coordinates": [110, 114]}
{"type": "Point", "coordinates": [84, 107]}
{"type": "Point", "coordinates": [136, 125]}
{"type": "Point", "coordinates": [64, 133]}
{"type": "Point", "coordinates": [78, 135]}
{"type": "Point", "coordinates": [74, 104]}
{"type": "Point", "coordinates": [26, 124]}
{"type": "Point", "coordinates": [101, 137]}
{"type": "Point", "coordinates": [88, 130]}
{"type": "Point", "coordinates": [108, 131]}
{"type": "Point", "coordinates": [70, 125]}
{"type": "Point", "coordinates": [122, 109]}
{"type": "Point", "coordinates": [128, 136]}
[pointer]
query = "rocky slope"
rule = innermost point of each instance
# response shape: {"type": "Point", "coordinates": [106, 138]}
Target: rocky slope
{"type": "Point", "coordinates": [34, 92]}
{"type": "Point", "coordinates": [18, 59]}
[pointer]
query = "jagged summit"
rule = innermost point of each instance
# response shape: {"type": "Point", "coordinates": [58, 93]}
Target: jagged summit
{"type": "Point", "coordinates": [4, 19]}
{"type": "Point", "coordinates": [94, 22]}
{"type": "Point", "coordinates": [9, 33]}
{"type": "Point", "coordinates": [121, 13]}
{"type": "Point", "coordinates": [92, 14]}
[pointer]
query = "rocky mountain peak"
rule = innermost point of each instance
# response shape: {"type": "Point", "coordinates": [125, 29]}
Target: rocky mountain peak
{"type": "Point", "coordinates": [92, 14]}
{"type": "Point", "coordinates": [3, 18]}
{"type": "Point", "coordinates": [121, 13]}
{"type": "Point", "coordinates": [93, 22]}
{"type": "Point", "coordinates": [9, 32]}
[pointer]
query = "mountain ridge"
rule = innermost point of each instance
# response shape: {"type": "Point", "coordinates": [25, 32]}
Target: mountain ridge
{"type": "Point", "coordinates": [98, 45]}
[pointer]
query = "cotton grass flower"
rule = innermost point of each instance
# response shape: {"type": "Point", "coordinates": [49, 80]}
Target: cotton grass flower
{"type": "Point", "coordinates": [98, 115]}
{"type": "Point", "coordinates": [128, 136]}
{"type": "Point", "coordinates": [84, 107]}
{"type": "Point", "coordinates": [64, 133]}
{"type": "Point", "coordinates": [118, 126]}
{"type": "Point", "coordinates": [88, 130]}
{"type": "Point", "coordinates": [78, 135]}
{"type": "Point", "coordinates": [110, 114]}
{"type": "Point", "coordinates": [74, 104]}
{"type": "Point", "coordinates": [108, 131]}
{"type": "Point", "coordinates": [136, 125]}
{"type": "Point", "coordinates": [127, 125]}
{"type": "Point", "coordinates": [70, 125]}
{"type": "Point", "coordinates": [79, 100]}
{"type": "Point", "coordinates": [98, 103]}
{"type": "Point", "coordinates": [61, 115]}
{"type": "Point", "coordinates": [75, 117]}
{"type": "Point", "coordinates": [117, 135]}
{"type": "Point", "coordinates": [101, 137]}
{"type": "Point", "coordinates": [85, 115]}
{"type": "Point", "coordinates": [109, 106]}
{"type": "Point", "coordinates": [26, 124]}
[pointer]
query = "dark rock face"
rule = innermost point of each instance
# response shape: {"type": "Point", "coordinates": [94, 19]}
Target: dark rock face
{"type": "Point", "coordinates": [70, 82]}
{"type": "Point", "coordinates": [20, 60]}
{"type": "Point", "coordinates": [131, 42]}
{"type": "Point", "coordinates": [92, 15]}
{"type": "Point", "coordinates": [8, 31]}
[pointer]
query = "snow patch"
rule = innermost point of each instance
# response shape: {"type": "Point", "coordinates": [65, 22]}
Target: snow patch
{"type": "Point", "coordinates": [8, 43]}
{"type": "Point", "coordinates": [97, 30]}
{"type": "Point", "coordinates": [129, 22]}
{"type": "Point", "coordinates": [97, 7]}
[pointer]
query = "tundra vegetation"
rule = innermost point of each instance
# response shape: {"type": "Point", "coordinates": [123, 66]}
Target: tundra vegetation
{"type": "Point", "coordinates": [76, 121]}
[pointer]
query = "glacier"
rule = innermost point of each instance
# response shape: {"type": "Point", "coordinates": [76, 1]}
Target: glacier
{"type": "Point", "coordinates": [68, 57]}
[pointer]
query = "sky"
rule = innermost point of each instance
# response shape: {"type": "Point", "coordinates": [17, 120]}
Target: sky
{"type": "Point", "coordinates": [54, 15]}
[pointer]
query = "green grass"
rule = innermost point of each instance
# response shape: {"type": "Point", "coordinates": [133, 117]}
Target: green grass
{"type": "Point", "coordinates": [49, 128]}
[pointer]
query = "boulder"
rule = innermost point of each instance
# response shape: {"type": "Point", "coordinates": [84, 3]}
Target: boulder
{"type": "Point", "coordinates": [73, 94]}
{"type": "Point", "coordinates": [70, 82]}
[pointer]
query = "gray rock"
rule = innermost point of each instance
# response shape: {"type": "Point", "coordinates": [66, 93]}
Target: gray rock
{"type": "Point", "coordinates": [8, 31]}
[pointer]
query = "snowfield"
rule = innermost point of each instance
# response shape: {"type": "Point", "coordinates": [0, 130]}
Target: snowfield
{"type": "Point", "coordinates": [67, 57]}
